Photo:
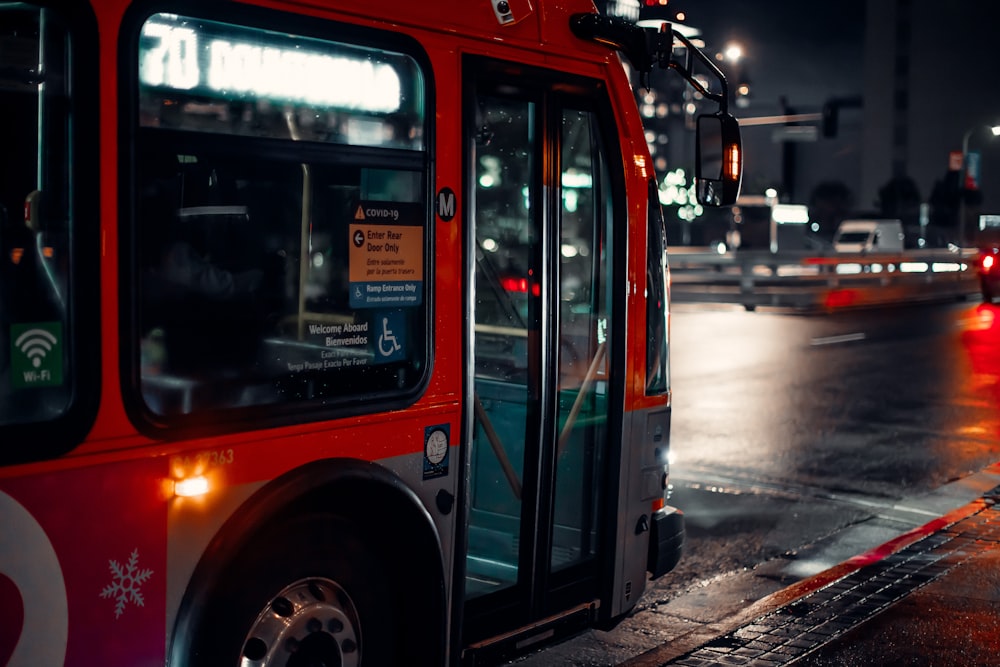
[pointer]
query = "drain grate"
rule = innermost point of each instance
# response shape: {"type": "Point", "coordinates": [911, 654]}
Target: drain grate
{"type": "Point", "coordinates": [800, 627]}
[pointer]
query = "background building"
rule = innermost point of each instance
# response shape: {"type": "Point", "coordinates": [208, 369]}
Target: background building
{"type": "Point", "coordinates": [907, 81]}
{"type": "Point", "coordinates": [930, 83]}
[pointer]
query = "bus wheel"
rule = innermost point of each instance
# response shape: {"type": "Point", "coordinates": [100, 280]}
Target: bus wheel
{"type": "Point", "coordinates": [310, 622]}
{"type": "Point", "coordinates": [305, 591]}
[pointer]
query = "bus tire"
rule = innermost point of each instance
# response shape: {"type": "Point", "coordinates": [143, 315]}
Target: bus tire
{"type": "Point", "coordinates": [303, 591]}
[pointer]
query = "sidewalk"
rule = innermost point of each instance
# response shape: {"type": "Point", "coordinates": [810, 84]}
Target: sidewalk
{"type": "Point", "coordinates": [952, 621]}
{"type": "Point", "coordinates": [928, 597]}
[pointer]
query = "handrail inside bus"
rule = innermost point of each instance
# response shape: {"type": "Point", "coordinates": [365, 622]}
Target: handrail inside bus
{"type": "Point", "coordinates": [498, 448]}
{"type": "Point", "coordinates": [306, 225]}
{"type": "Point", "coordinates": [574, 412]}
{"type": "Point", "coordinates": [498, 330]}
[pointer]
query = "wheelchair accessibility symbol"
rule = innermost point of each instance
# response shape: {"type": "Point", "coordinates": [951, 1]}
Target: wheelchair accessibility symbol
{"type": "Point", "coordinates": [387, 343]}
{"type": "Point", "coordinates": [391, 337]}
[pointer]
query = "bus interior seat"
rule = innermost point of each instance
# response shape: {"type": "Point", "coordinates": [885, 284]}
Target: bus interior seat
{"type": "Point", "coordinates": [207, 326]}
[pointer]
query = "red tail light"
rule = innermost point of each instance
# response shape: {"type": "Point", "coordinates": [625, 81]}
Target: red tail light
{"type": "Point", "coordinates": [520, 285]}
{"type": "Point", "coordinates": [988, 262]}
{"type": "Point", "coordinates": [515, 284]}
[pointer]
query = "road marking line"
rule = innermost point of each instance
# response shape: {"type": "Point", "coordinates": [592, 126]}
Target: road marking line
{"type": "Point", "coordinates": [832, 340]}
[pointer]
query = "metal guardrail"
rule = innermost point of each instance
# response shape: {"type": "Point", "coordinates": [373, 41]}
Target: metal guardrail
{"type": "Point", "coordinates": [820, 281]}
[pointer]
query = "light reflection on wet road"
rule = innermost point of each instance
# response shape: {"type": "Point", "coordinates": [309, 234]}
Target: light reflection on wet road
{"type": "Point", "coordinates": [789, 431]}
{"type": "Point", "coordinates": [887, 403]}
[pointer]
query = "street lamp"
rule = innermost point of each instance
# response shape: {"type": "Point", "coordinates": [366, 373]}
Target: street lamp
{"type": "Point", "coordinates": [995, 131]}
{"type": "Point", "coordinates": [734, 55]}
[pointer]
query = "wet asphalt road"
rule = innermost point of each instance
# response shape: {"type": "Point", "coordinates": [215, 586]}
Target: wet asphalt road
{"type": "Point", "coordinates": [796, 440]}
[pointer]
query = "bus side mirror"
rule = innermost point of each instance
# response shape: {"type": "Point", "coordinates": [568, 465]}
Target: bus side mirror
{"type": "Point", "coordinates": [718, 160]}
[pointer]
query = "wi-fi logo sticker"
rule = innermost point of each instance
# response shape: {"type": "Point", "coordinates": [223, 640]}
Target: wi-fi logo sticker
{"type": "Point", "coordinates": [36, 354]}
{"type": "Point", "coordinates": [36, 345]}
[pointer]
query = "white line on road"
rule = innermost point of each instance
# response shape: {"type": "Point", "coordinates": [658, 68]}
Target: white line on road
{"type": "Point", "coordinates": [832, 340]}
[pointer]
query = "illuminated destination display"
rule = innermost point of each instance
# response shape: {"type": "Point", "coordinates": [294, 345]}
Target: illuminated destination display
{"type": "Point", "coordinates": [259, 64]}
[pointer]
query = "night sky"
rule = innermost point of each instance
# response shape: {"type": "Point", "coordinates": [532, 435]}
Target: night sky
{"type": "Point", "coordinates": [805, 51]}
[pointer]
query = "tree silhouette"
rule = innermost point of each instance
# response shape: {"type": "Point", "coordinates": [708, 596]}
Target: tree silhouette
{"type": "Point", "coordinates": [829, 204]}
{"type": "Point", "coordinates": [900, 199]}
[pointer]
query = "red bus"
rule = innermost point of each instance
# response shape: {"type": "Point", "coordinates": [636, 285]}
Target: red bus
{"type": "Point", "coordinates": [330, 334]}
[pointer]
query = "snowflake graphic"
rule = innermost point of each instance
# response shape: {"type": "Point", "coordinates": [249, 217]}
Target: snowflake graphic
{"type": "Point", "coordinates": [127, 580]}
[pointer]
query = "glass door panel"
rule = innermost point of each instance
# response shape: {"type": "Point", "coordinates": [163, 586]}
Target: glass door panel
{"type": "Point", "coordinates": [583, 343]}
{"type": "Point", "coordinates": [506, 325]}
{"type": "Point", "coordinates": [539, 200]}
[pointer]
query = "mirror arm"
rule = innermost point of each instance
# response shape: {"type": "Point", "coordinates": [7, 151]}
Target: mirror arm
{"type": "Point", "coordinates": [720, 98]}
{"type": "Point", "coordinates": [645, 46]}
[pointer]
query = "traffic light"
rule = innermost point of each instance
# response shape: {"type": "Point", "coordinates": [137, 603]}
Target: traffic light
{"type": "Point", "coordinates": [831, 112]}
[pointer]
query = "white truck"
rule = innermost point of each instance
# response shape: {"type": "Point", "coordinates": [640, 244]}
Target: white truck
{"type": "Point", "coordinates": [869, 236]}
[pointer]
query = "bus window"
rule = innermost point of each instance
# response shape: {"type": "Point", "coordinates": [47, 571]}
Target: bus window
{"type": "Point", "coordinates": [36, 216]}
{"type": "Point", "coordinates": [280, 223]}
{"type": "Point", "coordinates": [657, 308]}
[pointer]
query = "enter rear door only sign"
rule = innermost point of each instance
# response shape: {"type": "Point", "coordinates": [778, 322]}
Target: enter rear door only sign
{"type": "Point", "coordinates": [386, 255]}
{"type": "Point", "coordinates": [385, 271]}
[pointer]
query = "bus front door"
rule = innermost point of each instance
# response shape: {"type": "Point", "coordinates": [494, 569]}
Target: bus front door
{"type": "Point", "coordinates": [540, 199]}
